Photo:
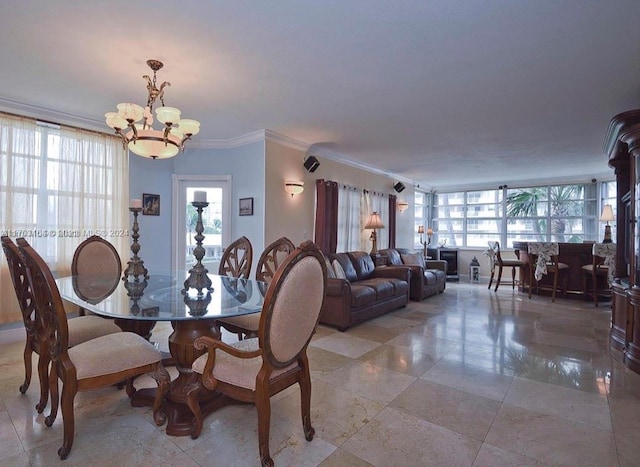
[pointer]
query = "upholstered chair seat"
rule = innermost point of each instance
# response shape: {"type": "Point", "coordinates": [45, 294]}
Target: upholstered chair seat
{"type": "Point", "coordinates": [239, 371]}
{"type": "Point", "coordinates": [106, 355]}
{"type": "Point", "coordinates": [85, 328]}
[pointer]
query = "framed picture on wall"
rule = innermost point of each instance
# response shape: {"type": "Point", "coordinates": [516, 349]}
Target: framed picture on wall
{"type": "Point", "coordinates": [150, 204]}
{"type": "Point", "coordinates": [246, 206]}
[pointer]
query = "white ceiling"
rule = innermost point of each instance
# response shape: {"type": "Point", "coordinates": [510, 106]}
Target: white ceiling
{"type": "Point", "coordinates": [442, 93]}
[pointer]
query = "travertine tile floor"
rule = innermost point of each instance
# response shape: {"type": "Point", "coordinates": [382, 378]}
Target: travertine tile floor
{"type": "Point", "coordinates": [466, 378]}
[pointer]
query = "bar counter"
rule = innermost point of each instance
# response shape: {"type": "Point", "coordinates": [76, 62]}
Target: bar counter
{"type": "Point", "coordinates": [575, 255]}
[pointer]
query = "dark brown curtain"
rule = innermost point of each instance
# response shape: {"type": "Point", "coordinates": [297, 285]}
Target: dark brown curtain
{"type": "Point", "coordinates": [392, 221]}
{"type": "Point", "coordinates": [326, 234]}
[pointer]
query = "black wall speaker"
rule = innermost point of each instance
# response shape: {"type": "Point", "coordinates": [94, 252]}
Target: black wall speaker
{"type": "Point", "coordinates": [399, 187]}
{"type": "Point", "coordinates": [311, 164]}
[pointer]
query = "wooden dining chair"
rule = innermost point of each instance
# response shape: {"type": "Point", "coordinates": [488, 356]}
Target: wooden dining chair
{"type": "Point", "coordinates": [544, 259]}
{"type": "Point", "coordinates": [95, 256]}
{"type": "Point", "coordinates": [237, 259]}
{"type": "Point", "coordinates": [80, 329]}
{"type": "Point", "coordinates": [600, 271]}
{"type": "Point", "coordinates": [500, 263]}
{"type": "Point", "coordinates": [255, 369]}
{"type": "Point", "coordinates": [97, 363]}
{"type": "Point", "coordinates": [270, 260]}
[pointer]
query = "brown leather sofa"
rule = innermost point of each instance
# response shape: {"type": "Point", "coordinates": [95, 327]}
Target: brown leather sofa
{"type": "Point", "coordinates": [427, 281]}
{"type": "Point", "coordinates": [366, 292]}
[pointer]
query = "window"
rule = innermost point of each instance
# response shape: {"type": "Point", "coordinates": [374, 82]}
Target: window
{"type": "Point", "coordinates": [559, 213]}
{"type": "Point", "coordinates": [608, 195]}
{"type": "Point", "coordinates": [59, 185]}
{"type": "Point", "coordinates": [421, 218]}
{"type": "Point", "coordinates": [484, 217]}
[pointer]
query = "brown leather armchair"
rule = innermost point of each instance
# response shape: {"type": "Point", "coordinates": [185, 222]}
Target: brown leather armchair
{"type": "Point", "coordinates": [425, 281]}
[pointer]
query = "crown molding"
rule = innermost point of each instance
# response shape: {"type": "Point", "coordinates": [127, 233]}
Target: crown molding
{"type": "Point", "coordinates": [52, 116]}
{"type": "Point", "coordinates": [230, 143]}
{"type": "Point", "coordinates": [332, 155]}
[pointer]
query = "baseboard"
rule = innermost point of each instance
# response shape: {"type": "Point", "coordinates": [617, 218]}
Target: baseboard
{"type": "Point", "coordinates": [8, 336]}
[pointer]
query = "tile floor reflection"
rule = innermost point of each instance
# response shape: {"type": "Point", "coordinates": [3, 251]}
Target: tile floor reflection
{"type": "Point", "coordinates": [467, 378]}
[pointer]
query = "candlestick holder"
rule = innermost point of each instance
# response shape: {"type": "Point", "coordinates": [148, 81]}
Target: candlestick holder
{"type": "Point", "coordinates": [198, 278]}
{"type": "Point", "coordinates": [135, 267]}
{"type": "Point", "coordinates": [135, 291]}
{"type": "Point", "coordinates": [198, 305]}
{"type": "Point", "coordinates": [425, 243]}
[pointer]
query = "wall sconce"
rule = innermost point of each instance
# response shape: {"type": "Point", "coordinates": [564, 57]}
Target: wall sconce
{"type": "Point", "coordinates": [607, 216]}
{"type": "Point", "coordinates": [402, 206]}
{"type": "Point", "coordinates": [293, 187]}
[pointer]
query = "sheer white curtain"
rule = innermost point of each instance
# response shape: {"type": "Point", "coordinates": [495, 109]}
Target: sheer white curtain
{"type": "Point", "coordinates": [57, 187]}
{"type": "Point", "coordinates": [349, 219]}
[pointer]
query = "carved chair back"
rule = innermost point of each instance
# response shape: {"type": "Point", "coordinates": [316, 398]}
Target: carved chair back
{"type": "Point", "coordinates": [272, 257]}
{"type": "Point", "coordinates": [237, 259]}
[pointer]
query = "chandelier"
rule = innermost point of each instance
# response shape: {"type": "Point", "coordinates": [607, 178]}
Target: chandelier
{"type": "Point", "coordinates": [135, 124]}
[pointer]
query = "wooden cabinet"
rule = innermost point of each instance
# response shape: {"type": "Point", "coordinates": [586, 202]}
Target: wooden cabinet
{"type": "Point", "coordinates": [622, 146]}
{"type": "Point", "coordinates": [450, 255]}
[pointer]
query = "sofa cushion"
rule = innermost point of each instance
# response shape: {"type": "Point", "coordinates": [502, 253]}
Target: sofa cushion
{"type": "Point", "coordinates": [330, 271]}
{"type": "Point", "coordinates": [401, 287]}
{"type": "Point", "coordinates": [415, 259]}
{"type": "Point", "coordinates": [434, 276]}
{"type": "Point", "coordinates": [383, 287]}
{"type": "Point", "coordinates": [393, 257]}
{"type": "Point", "coordinates": [338, 272]}
{"type": "Point", "coordinates": [347, 265]}
{"type": "Point", "coordinates": [362, 263]}
{"type": "Point", "coordinates": [361, 295]}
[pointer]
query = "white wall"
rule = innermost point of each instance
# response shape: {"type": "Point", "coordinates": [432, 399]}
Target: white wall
{"type": "Point", "coordinates": [152, 176]}
{"type": "Point", "coordinates": [258, 171]}
{"type": "Point", "coordinates": [295, 217]}
{"type": "Point", "coordinates": [246, 167]}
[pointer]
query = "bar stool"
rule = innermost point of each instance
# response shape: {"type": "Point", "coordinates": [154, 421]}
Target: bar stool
{"type": "Point", "coordinates": [499, 262]}
{"type": "Point", "coordinates": [545, 257]}
{"type": "Point", "coordinates": [603, 265]}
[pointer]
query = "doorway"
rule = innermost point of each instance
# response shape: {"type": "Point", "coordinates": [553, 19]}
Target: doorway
{"type": "Point", "coordinates": [216, 219]}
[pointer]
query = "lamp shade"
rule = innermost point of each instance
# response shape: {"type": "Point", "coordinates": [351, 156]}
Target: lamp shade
{"type": "Point", "coordinates": [114, 120]}
{"type": "Point", "coordinates": [421, 229]}
{"type": "Point", "coordinates": [374, 222]}
{"type": "Point", "coordinates": [189, 127]}
{"type": "Point", "coordinates": [131, 112]}
{"type": "Point", "coordinates": [607, 214]}
{"type": "Point", "coordinates": [403, 206]}
{"type": "Point", "coordinates": [168, 114]}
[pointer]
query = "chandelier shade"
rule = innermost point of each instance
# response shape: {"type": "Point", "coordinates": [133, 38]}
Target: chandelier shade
{"type": "Point", "coordinates": [134, 123]}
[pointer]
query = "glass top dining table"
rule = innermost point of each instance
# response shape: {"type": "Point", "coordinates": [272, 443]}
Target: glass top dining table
{"type": "Point", "coordinates": [137, 305]}
{"type": "Point", "coordinates": [160, 297]}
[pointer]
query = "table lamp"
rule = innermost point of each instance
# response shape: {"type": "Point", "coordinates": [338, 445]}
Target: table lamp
{"type": "Point", "coordinates": [607, 216]}
{"type": "Point", "coordinates": [374, 222]}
